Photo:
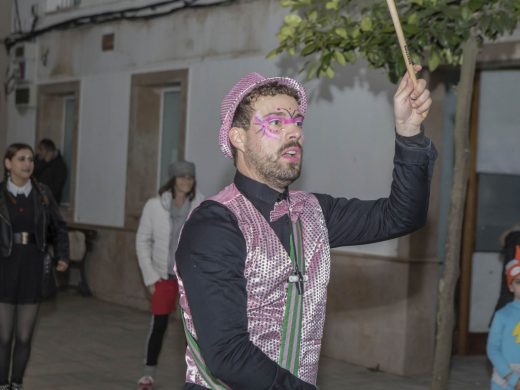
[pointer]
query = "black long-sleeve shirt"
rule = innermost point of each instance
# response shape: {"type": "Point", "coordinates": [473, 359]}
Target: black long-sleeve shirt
{"type": "Point", "coordinates": [212, 251]}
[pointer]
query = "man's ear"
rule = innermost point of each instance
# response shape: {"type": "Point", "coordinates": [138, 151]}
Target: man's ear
{"type": "Point", "coordinates": [237, 138]}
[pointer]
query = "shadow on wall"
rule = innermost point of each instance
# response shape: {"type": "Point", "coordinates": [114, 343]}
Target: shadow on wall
{"type": "Point", "coordinates": [347, 77]}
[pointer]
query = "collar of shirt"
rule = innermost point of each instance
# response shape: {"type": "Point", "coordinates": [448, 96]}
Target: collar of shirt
{"type": "Point", "coordinates": [260, 195]}
{"type": "Point", "coordinates": [15, 190]}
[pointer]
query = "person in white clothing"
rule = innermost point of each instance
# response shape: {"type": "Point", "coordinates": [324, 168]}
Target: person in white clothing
{"type": "Point", "coordinates": [156, 242]}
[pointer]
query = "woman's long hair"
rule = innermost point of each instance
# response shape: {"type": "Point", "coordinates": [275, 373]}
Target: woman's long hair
{"type": "Point", "coordinates": [170, 186]}
{"type": "Point", "coordinates": [10, 152]}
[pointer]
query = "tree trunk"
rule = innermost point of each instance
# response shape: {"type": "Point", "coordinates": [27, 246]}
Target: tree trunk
{"type": "Point", "coordinates": [448, 281]}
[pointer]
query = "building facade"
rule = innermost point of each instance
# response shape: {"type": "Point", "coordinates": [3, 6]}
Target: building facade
{"type": "Point", "coordinates": [123, 92]}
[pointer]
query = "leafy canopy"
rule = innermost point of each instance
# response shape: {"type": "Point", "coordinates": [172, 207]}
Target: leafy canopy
{"type": "Point", "coordinates": [336, 32]}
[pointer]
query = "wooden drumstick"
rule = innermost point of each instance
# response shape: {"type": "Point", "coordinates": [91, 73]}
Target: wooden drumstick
{"type": "Point", "coordinates": [402, 41]}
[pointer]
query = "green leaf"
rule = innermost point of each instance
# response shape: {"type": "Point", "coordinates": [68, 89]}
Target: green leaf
{"type": "Point", "coordinates": [434, 61]}
{"type": "Point", "coordinates": [399, 69]}
{"type": "Point", "coordinates": [313, 16]}
{"type": "Point", "coordinates": [339, 57]}
{"type": "Point", "coordinates": [287, 3]}
{"type": "Point", "coordinates": [273, 53]}
{"type": "Point", "coordinates": [366, 23]}
{"type": "Point", "coordinates": [474, 5]}
{"type": "Point", "coordinates": [342, 32]}
{"type": "Point", "coordinates": [448, 55]}
{"type": "Point", "coordinates": [350, 56]}
{"type": "Point", "coordinates": [413, 18]}
{"type": "Point", "coordinates": [285, 32]}
{"type": "Point", "coordinates": [330, 72]}
{"type": "Point", "coordinates": [311, 73]}
{"type": "Point", "coordinates": [332, 5]}
{"type": "Point", "coordinates": [292, 19]}
{"type": "Point", "coordinates": [466, 13]}
{"type": "Point", "coordinates": [309, 49]}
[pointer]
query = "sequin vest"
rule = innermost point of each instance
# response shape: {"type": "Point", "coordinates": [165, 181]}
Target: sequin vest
{"type": "Point", "coordinates": [267, 269]}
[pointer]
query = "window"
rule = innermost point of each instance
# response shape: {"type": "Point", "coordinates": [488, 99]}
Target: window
{"type": "Point", "coordinates": [57, 119]}
{"type": "Point", "coordinates": [156, 136]}
{"type": "Point", "coordinates": [170, 130]}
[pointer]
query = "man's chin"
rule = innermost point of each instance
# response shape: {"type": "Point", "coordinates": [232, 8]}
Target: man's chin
{"type": "Point", "coordinates": [292, 176]}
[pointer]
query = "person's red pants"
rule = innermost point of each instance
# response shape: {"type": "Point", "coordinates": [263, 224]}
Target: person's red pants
{"type": "Point", "coordinates": [164, 298]}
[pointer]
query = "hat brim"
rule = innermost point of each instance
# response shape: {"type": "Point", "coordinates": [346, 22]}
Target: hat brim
{"type": "Point", "coordinates": [225, 146]}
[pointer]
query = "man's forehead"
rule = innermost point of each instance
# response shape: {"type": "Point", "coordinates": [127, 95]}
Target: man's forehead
{"type": "Point", "coordinates": [277, 103]}
{"type": "Point", "coordinates": [24, 153]}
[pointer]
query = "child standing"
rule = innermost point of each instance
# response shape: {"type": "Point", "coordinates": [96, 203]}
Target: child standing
{"type": "Point", "coordinates": [503, 347]}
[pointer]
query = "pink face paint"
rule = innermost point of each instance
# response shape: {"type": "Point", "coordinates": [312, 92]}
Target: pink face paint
{"type": "Point", "coordinates": [273, 124]}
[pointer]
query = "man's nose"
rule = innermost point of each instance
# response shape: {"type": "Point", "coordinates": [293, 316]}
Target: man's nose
{"type": "Point", "coordinates": [293, 131]}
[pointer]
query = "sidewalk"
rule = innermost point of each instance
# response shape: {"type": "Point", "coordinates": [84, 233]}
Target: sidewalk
{"type": "Point", "coordinates": [85, 344]}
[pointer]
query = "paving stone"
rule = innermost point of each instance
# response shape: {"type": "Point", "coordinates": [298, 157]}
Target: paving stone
{"type": "Point", "coordinates": [86, 344]}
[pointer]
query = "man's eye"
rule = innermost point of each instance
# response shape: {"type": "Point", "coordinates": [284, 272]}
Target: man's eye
{"type": "Point", "coordinates": [299, 123]}
{"type": "Point", "coordinates": [275, 122]}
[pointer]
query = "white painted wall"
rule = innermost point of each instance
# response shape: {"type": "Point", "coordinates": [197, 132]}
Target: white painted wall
{"type": "Point", "coordinates": [348, 130]}
{"type": "Point", "coordinates": [498, 123]}
{"type": "Point", "coordinates": [102, 149]}
{"type": "Point", "coordinates": [485, 289]}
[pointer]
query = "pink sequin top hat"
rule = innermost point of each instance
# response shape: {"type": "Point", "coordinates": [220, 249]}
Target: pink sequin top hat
{"type": "Point", "coordinates": [233, 98]}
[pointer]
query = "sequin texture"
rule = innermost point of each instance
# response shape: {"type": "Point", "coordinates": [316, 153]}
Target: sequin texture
{"type": "Point", "coordinates": [267, 269]}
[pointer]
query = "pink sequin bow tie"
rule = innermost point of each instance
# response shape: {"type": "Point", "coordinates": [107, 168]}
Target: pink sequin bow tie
{"type": "Point", "coordinates": [283, 207]}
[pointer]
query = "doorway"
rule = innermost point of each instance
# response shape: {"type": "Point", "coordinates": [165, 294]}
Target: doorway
{"type": "Point", "coordinates": [492, 205]}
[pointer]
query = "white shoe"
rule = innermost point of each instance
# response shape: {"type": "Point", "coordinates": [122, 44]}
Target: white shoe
{"type": "Point", "coordinates": [145, 383]}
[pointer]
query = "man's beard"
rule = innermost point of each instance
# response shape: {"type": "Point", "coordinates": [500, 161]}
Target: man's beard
{"type": "Point", "coordinates": [272, 170]}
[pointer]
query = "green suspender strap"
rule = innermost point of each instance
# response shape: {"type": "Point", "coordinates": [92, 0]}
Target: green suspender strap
{"type": "Point", "coordinates": [292, 323]}
{"type": "Point", "coordinates": [214, 383]}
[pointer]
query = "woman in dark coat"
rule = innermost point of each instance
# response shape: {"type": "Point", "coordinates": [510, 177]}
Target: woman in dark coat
{"type": "Point", "coordinates": [28, 216]}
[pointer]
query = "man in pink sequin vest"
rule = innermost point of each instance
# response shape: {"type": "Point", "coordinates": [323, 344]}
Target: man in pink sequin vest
{"type": "Point", "coordinates": [234, 259]}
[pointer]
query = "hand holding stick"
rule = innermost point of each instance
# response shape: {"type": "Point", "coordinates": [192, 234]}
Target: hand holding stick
{"type": "Point", "coordinates": [402, 41]}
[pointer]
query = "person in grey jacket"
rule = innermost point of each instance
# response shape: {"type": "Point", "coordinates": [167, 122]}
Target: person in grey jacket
{"type": "Point", "coordinates": [156, 242]}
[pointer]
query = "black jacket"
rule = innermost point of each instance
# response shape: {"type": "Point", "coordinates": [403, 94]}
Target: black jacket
{"type": "Point", "coordinates": [53, 174]}
{"type": "Point", "coordinates": [47, 219]}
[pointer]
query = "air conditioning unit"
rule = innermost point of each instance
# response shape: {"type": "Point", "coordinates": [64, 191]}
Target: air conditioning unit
{"type": "Point", "coordinates": [23, 61]}
{"type": "Point", "coordinates": [25, 96]}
